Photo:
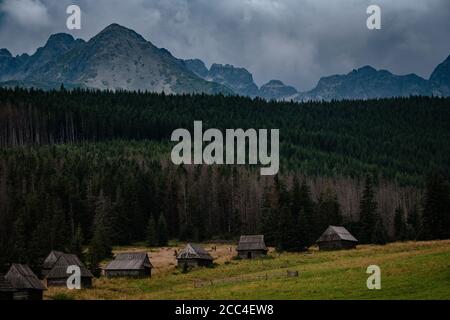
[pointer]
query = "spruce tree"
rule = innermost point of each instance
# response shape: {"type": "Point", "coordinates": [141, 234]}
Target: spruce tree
{"type": "Point", "coordinates": [436, 209]}
{"type": "Point", "coordinates": [268, 225]}
{"type": "Point", "coordinates": [100, 245]}
{"type": "Point", "coordinates": [308, 219]}
{"type": "Point", "coordinates": [367, 213]}
{"type": "Point", "coordinates": [301, 228]}
{"type": "Point", "coordinates": [328, 210]}
{"type": "Point", "coordinates": [163, 235]}
{"type": "Point", "coordinates": [414, 224]}
{"type": "Point", "coordinates": [287, 233]}
{"type": "Point", "coordinates": [20, 239]}
{"type": "Point", "coordinates": [152, 237]}
{"type": "Point", "coordinates": [379, 234]}
{"type": "Point", "coordinates": [76, 246]}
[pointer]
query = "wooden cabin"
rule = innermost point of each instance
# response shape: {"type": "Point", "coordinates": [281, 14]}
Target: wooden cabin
{"type": "Point", "coordinates": [57, 276]}
{"type": "Point", "coordinates": [129, 264]}
{"type": "Point", "coordinates": [25, 282]}
{"type": "Point", "coordinates": [194, 255]}
{"type": "Point", "coordinates": [50, 261]}
{"type": "Point", "coordinates": [6, 289]}
{"type": "Point", "coordinates": [336, 238]}
{"type": "Point", "coordinates": [251, 247]}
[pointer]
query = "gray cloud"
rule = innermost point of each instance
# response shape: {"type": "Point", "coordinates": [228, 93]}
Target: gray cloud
{"type": "Point", "coordinates": [296, 41]}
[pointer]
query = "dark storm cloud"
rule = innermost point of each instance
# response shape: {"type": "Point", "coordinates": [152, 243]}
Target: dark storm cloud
{"type": "Point", "coordinates": [296, 41]}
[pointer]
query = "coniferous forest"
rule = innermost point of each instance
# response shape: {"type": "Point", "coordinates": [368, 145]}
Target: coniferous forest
{"type": "Point", "coordinates": [84, 170]}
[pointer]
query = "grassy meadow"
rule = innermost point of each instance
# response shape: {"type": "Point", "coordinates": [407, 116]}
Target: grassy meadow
{"type": "Point", "coordinates": [409, 270]}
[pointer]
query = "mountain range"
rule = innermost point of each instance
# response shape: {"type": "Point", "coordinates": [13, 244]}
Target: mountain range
{"type": "Point", "coordinates": [119, 58]}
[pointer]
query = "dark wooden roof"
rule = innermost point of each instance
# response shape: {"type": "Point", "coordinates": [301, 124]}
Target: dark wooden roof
{"type": "Point", "coordinates": [51, 259]}
{"type": "Point", "coordinates": [22, 277]}
{"type": "Point", "coordinates": [130, 261]}
{"type": "Point", "coordinates": [194, 251]}
{"type": "Point", "coordinates": [59, 269]}
{"type": "Point", "coordinates": [334, 233]}
{"type": "Point", "coordinates": [249, 243]}
{"type": "Point", "coordinates": [5, 285]}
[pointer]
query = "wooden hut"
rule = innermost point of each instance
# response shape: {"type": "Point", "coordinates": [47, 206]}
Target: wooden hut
{"type": "Point", "coordinates": [50, 261]}
{"type": "Point", "coordinates": [251, 247]}
{"type": "Point", "coordinates": [194, 255]}
{"type": "Point", "coordinates": [25, 282]}
{"type": "Point", "coordinates": [57, 276]}
{"type": "Point", "coordinates": [6, 289]}
{"type": "Point", "coordinates": [336, 238]}
{"type": "Point", "coordinates": [129, 264]}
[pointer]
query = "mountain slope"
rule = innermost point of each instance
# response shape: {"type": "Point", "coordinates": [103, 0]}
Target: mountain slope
{"type": "Point", "coordinates": [197, 66]}
{"type": "Point", "coordinates": [440, 79]}
{"type": "Point", "coordinates": [240, 80]}
{"type": "Point", "coordinates": [237, 79]}
{"type": "Point", "coordinates": [275, 90]}
{"type": "Point", "coordinates": [367, 83]}
{"type": "Point", "coordinates": [119, 58]}
{"type": "Point", "coordinates": [116, 58]}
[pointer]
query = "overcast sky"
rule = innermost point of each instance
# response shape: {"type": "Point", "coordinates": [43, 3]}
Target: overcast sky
{"type": "Point", "coordinates": [296, 41]}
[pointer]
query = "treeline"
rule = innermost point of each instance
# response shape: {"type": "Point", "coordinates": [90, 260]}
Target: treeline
{"type": "Point", "coordinates": [402, 139]}
{"type": "Point", "coordinates": [96, 195]}
{"type": "Point", "coordinates": [292, 221]}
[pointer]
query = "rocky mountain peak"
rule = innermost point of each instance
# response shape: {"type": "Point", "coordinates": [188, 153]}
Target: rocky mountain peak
{"type": "Point", "coordinates": [59, 39]}
{"type": "Point", "coordinates": [237, 79]}
{"type": "Point", "coordinates": [274, 83]}
{"type": "Point", "coordinates": [118, 32]}
{"type": "Point", "coordinates": [5, 53]}
{"type": "Point", "coordinates": [440, 79]}
{"type": "Point", "coordinates": [276, 89]}
{"type": "Point", "coordinates": [197, 66]}
{"type": "Point", "coordinates": [366, 70]}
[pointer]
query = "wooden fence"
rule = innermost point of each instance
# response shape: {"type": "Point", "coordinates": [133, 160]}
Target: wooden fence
{"type": "Point", "coordinates": [198, 283]}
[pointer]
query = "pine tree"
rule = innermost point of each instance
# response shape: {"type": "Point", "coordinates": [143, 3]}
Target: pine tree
{"type": "Point", "coordinates": [20, 239]}
{"type": "Point", "coordinates": [328, 210]}
{"type": "Point", "coordinates": [77, 242]}
{"type": "Point", "coordinates": [301, 228]}
{"type": "Point", "coordinates": [367, 213]}
{"type": "Point", "coordinates": [163, 236]}
{"type": "Point", "coordinates": [59, 227]}
{"type": "Point", "coordinates": [308, 219]}
{"type": "Point", "coordinates": [287, 233]}
{"type": "Point", "coordinates": [414, 224]}
{"type": "Point", "coordinates": [100, 245]}
{"type": "Point", "coordinates": [379, 234]}
{"type": "Point", "coordinates": [152, 237]}
{"type": "Point", "coordinates": [268, 225]}
{"type": "Point", "coordinates": [436, 209]}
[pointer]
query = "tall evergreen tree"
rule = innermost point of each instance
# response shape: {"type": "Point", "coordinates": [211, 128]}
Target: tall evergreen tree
{"type": "Point", "coordinates": [163, 234]}
{"type": "Point", "coordinates": [100, 245]}
{"type": "Point", "coordinates": [367, 213]}
{"type": "Point", "coordinates": [152, 236]}
{"type": "Point", "coordinates": [414, 224]}
{"type": "Point", "coordinates": [328, 210]}
{"type": "Point", "coordinates": [268, 225]}
{"type": "Point", "coordinates": [379, 234]}
{"type": "Point", "coordinates": [308, 218]}
{"type": "Point", "coordinates": [302, 232]}
{"type": "Point", "coordinates": [436, 208]}
{"type": "Point", "coordinates": [77, 242]}
{"type": "Point", "coordinates": [287, 233]}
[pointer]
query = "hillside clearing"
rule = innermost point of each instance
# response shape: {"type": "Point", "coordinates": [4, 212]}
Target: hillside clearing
{"type": "Point", "coordinates": [409, 270]}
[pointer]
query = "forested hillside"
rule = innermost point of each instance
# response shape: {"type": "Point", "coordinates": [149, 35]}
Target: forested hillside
{"type": "Point", "coordinates": [401, 138]}
{"type": "Point", "coordinates": [92, 168]}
